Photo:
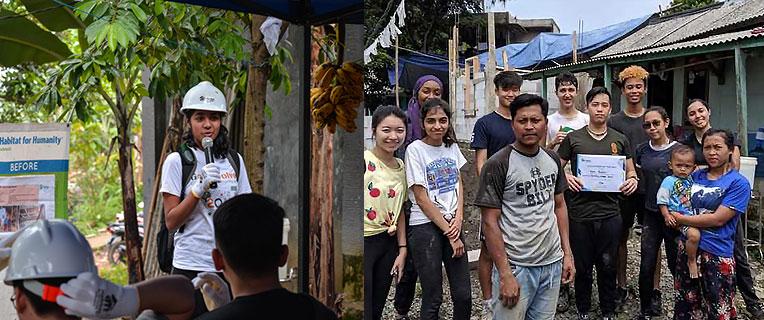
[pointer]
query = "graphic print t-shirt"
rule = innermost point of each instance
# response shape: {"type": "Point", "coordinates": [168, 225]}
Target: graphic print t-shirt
{"type": "Point", "coordinates": [383, 194]}
{"type": "Point", "coordinates": [437, 170]}
{"type": "Point", "coordinates": [524, 186]}
{"type": "Point", "coordinates": [193, 246]}
{"type": "Point", "coordinates": [731, 190]}
{"type": "Point", "coordinates": [675, 194]}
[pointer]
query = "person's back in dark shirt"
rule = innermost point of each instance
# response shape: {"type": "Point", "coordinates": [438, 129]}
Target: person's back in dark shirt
{"type": "Point", "coordinates": [273, 304]}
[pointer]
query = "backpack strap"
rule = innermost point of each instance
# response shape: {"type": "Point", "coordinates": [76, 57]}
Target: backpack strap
{"type": "Point", "coordinates": [188, 162]}
{"type": "Point", "coordinates": [233, 159]}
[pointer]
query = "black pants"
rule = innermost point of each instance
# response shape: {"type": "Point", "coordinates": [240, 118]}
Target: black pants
{"type": "Point", "coordinates": [379, 252]}
{"type": "Point", "coordinates": [429, 248]}
{"type": "Point", "coordinates": [654, 232]}
{"type": "Point", "coordinates": [406, 287]}
{"type": "Point", "coordinates": [744, 277]}
{"type": "Point", "coordinates": [199, 307]}
{"type": "Point", "coordinates": [632, 207]}
{"type": "Point", "coordinates": [595, 243]}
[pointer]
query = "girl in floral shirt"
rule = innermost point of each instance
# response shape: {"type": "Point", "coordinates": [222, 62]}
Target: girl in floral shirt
{"type": "Point", "coordinates": [384, 228]}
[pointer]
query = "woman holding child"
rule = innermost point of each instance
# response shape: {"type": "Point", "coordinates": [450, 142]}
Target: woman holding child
{"type": "Point", "coordinates": [719, 196]}
{"type": "Point", "coordinates": [652, 157]}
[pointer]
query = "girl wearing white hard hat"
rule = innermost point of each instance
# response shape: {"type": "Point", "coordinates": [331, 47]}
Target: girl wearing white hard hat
{"type": "Point", "coordinates": [189, 205]}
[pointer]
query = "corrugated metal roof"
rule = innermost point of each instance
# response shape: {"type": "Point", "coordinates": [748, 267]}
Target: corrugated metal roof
{"type": "Point", "coordinates": [673, 29]}
{"type": "Point", "coordinates": [704, 42]}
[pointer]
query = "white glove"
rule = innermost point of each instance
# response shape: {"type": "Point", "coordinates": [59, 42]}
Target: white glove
{"type": "Point", "coordinates": [210, 174]}
{"type": "Point", "coordinates": [214, 289]}
{"type": "Point", "coordinates": [89, 296]}
{"type": "Point", "coordinates": [5, 248]}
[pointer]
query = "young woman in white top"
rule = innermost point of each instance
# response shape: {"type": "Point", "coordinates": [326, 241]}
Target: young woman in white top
{"type": "Point", "coordinates": [189, 215]}
{"type": "Point", "coordinates": [437, 212]}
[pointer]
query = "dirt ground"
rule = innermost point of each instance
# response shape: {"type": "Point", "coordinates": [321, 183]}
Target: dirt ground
{"type": "Point", "coordinates": [629, 311]}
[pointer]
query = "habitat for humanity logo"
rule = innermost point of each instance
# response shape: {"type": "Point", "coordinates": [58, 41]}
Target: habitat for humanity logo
{"type": "Point", "coordinates": [30, 140]}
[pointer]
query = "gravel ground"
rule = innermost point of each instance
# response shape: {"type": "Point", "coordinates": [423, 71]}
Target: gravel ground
{"type": "Point", "coordinates": [630, 310]}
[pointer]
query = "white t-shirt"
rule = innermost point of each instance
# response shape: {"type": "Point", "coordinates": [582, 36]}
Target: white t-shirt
{"type": "Point", "coordinates": [558, 122]}
{"type": "Point", "coordinates": [437, 170]}
{"type": "Point", "coordinates": [193, 247]}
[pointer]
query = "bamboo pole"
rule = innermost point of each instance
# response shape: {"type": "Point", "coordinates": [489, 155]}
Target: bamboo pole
{"type": "Point", "coordinates": [397, 80]}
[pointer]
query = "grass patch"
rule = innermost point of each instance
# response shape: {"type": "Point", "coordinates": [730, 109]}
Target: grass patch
{"type": "Point", "coordinates": [116, 274]}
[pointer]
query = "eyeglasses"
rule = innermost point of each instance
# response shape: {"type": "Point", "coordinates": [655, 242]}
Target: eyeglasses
{"type": "Point", "coordinates": [648, 125]}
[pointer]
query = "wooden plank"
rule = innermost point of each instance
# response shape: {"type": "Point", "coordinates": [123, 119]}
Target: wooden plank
{"type": "Point", "coordinates": [475, 66]}
{"type": "Point", "coordinates": [741, 93]}
{"type": "Point", "coordinates": [575, 46]}
{"type": "Point", "coordinates": [490, 68]}
{"type": "Point", "coordinates": [456, 70]}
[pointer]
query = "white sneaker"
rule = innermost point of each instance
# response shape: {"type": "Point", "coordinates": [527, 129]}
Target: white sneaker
{"type": "Point", "coordinates": [487, 313]}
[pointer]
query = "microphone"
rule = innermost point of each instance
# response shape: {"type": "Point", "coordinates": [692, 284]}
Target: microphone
{"type": "Point", "coordinates": [207, 145]}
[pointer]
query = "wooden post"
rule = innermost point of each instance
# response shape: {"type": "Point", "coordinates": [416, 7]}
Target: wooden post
{"type": "Point", "coordinates": [468, 107]}
{"type": "Point", "coordinates": [608, 78]}
{"type": "Point", "coordinates": [397, 85]}
{"type": "Point", "coordinates": [741, 93]}
{"type": "Point", "coordinates": [543, 86]}
{"type": "Point", "coordinates": [575, 47]}
{"type": "Point", "coordinates": [456, 69]}
{"type": "Point", "coordinates": [450, 72]}
{"type": "Point", "coordinates": [505, 60]}
{"type": "Point", "coordinates": [490, 68]}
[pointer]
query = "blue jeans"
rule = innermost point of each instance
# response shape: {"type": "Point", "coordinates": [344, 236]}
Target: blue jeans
{"type": "Point", "coordinates": [539, 290]}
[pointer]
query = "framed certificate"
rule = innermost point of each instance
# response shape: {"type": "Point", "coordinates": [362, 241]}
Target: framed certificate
{"type": "Point", "coordinates": [601, 173]}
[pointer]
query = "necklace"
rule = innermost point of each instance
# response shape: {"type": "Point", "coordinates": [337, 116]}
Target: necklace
{"type": "Point", "coordinates": [598, 134]}
{"type": "Point", "coordinates": [634, 115]}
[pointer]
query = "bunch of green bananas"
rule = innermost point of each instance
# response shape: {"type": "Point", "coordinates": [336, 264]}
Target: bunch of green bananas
{"type": "Point", "coordinates": [337, 94]}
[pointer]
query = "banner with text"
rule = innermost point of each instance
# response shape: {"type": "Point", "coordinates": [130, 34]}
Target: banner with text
{"type": "Point", "coordinates": [34, 170]}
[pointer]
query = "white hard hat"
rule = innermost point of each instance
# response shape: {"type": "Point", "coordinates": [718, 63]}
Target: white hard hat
{"type": "Point", "coordinates": [204, 96]}
{"type": "Point", "coordinates": [49, 249]}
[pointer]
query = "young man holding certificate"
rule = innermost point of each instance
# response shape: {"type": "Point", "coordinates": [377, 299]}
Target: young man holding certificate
{"type": "Point", "coordinates": [525, 219]}
{"type": "Point", "coordinates": [598, 184]}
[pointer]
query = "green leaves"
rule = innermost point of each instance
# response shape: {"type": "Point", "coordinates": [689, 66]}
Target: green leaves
{"type": "Point", "coordinates": [118, 26]}
{"type": "Point", "coordinates": [33, 44]}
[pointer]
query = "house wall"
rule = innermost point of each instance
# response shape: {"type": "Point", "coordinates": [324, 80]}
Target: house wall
{"type": "Point", "coordinates": [722, 98]}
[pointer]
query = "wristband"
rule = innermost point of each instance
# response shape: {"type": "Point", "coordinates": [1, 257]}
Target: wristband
{"type": "Point", "coordinates": [402, 246]}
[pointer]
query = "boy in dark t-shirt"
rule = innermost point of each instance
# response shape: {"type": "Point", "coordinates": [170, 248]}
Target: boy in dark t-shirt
{"type": "Point", "coordinates": [595, 220]}
{"type": "Point", "coordinates": [491, 133]}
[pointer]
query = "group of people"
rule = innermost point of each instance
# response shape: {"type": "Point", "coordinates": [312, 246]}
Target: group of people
{"type": "Point", "coordinates": [543, 228]}
{"type": "Point", "coordinates": [227, 245]}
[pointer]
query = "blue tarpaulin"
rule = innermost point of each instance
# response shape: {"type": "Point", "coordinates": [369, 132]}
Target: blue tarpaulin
{"type": "Point", "coordinates": [550, 46]}
{"type": "Point", "coordinates": [296, 11]}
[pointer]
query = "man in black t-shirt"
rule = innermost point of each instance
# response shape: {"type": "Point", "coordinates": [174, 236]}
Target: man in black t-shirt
{"type": "Point", "coordinates": [248, 232]}
{"type": "Point", "coordinates": [595, 219]}
{"type": "Point", "coordinates": [249, 251]}
{"type": "Point", "coordinates": [633, 82]}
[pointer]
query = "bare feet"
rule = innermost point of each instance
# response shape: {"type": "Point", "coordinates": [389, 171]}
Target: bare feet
{"type": "Point", "coordinates": [693, 266]}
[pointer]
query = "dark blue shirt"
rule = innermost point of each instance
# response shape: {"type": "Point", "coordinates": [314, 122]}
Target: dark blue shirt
{"type": "Point", "coordinates": [492, 132]}
{"type": "Point", "coordinates": [654, 165]}
{"type": "Point", "coordinates": [731, 190]}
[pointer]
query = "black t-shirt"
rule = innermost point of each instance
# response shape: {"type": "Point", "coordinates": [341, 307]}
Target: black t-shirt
{"type": "Point", "coordinates": [654, 164]}
{"type": "Point", "coordinates": [585, 205]}
{"type": "Point", "coordinates": [492, 132]}
{"type": "Point", "coordinates": [273, 304]}
{"type": "Point", "coordinates": [690, 140]}
{"type": "Point", "coordinates": [632, 129]}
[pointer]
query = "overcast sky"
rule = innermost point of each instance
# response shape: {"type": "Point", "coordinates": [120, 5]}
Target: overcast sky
{"type": "Point", "coordinates": [595, 13]}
